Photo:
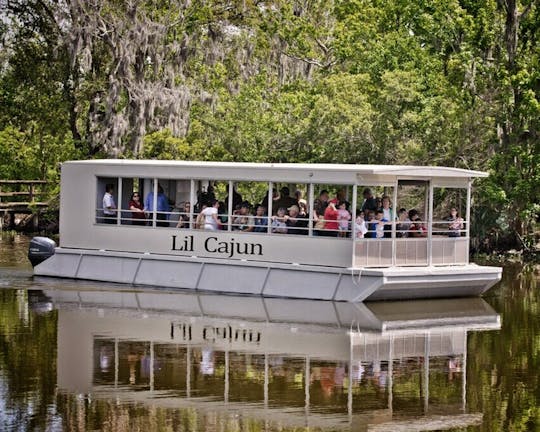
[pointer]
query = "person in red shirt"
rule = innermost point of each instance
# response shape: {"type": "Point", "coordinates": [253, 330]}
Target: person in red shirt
{"type": "Point", "coordinates": [331, 225]}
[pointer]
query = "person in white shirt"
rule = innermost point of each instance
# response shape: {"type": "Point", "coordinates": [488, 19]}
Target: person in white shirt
{"type": "Point", "coordinates": [109, 206]}
{"type": "Point", "coordinates": [211, 221]}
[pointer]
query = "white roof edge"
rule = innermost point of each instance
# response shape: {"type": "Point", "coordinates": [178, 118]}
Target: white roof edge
{"type": "Point", "coordinates": [367, 169]}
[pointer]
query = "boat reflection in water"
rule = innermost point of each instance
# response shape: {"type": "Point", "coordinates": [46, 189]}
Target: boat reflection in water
{"type": "Point", "coordinates": [295, 363]}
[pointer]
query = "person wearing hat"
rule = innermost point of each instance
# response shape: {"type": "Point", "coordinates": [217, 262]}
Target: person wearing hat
{"type": "Point", "coordinates": [295, 223]}
{"type": "Point", "coordinates": [243, 221]}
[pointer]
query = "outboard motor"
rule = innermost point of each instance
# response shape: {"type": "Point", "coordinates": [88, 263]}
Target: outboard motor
{"type": "Point", "coordinates": [40, 249]}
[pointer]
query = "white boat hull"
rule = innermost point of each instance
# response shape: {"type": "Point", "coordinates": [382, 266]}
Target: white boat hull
{"type": "Point", "coordinates": [270, 279]}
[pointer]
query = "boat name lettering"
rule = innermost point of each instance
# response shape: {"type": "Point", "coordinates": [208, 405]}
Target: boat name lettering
{"type": "Point", "coordinates": [214, 334]}
{"type": "Point", "coordinates": [231, 248]}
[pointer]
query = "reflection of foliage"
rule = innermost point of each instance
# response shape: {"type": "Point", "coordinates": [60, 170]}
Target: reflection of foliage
{"type": "Point", "coordinates": [504, 367]}
{"type": "Point", "coordinates": [27, 359]}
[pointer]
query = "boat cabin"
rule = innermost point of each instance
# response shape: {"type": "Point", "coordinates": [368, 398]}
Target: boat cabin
{"type": "Point", "coordinates": [271, 212]}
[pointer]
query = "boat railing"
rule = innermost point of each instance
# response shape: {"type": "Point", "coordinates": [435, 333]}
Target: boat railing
{"type": "Point", "coordinates": [430, 243]}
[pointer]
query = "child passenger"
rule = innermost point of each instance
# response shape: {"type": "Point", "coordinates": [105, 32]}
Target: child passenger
{"type": "Point", "coordinates": [279, 225]}
{"type": "Point", "coordinates": [343, 219]}
{"type": "Point", "coordinates": [360, 224]}
{"type": "Point", "coordinates": [260, 220]}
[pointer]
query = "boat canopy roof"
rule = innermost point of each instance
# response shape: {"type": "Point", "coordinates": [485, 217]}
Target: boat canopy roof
{"type": "Point", "coordinates": [299, 172]}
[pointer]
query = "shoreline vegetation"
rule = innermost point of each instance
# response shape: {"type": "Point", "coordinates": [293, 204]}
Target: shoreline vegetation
{"type": "Point", "coordinates": [409, 83]}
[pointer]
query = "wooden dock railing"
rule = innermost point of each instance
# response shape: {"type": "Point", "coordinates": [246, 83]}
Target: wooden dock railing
{"type": "Point", "coordinates": [21, 195]}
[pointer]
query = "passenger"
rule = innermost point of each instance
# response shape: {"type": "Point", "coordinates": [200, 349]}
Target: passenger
{"type": "Point", "coordinates": [343, 217]}
{"type": "Point", "coordinates": [211, 221]}
{"type": "Point", "coordinates": [319, 206]}
{"type": "Point", "coordinates": [236, 199]}
{"type": "Point", "coordinates": [331, 226]}
{"type": "Point", "coordinates": [109, 206]}
{"type": "Point", "coordinates": [340, 196]}
{"type": "Point", "coordinates": [184, 220]}
{"type": "Point", "coordinates": [222, 215]}
{"type": "Point", "coordinates": [278, 222]}
{"type": "Point", "coordinates": [403, 223]}
{"type": "Point", "coordinates": [416, 228]}
{"type": "Point", "coordinates": [260, 221]}
{"type": "Point", "coordinates": [161, 206]}
{"type": "Point", "coordinates": [137, 210]}
{"type": "Point", "coordinates": [369, 202]}
{"type": "Point", "coordinates": [275, 198]}
{"type": "Point", "coordinates": [296, 224]}
{"type": "Point", "coordinates": [303, 209]}
{"type": "Point", "coordinates": [370, 216]}
{"type": "Point", "coordinates": [298, 196]}
{"type": "Point", "coordinates": [360, 224]}
{"type": "Point", "coordinates": [285, 200]}
{"type": "Point", "coordinates": [379, 225]}
{"type": "Point", "coordinates": [386, 207]}
{"type": "Point", "coordinates": [243, 221]}
{"type": "Point", "coordinates": [456, 223]}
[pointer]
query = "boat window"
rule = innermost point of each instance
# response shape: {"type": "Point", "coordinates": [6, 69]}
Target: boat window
{"type": "Point", "coordinates": [449, 212]}
{"type": "Point", "coordinates": [106, 200]}
{"type": "Point", "coordinates": [132, 201]}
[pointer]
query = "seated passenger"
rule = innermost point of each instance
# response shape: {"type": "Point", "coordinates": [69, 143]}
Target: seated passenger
{"type": "Point", "coordinates": [260, 221]}
{"type": "Point", "coordinates": [137, 209]}
{"type": "Point", "coordinates": [456, 223]}
{"type": "Point", "coordinates": [243, 221]}
{"type": "Point", "coordinates": [211, 221]}
{"type": "Point", "coordinates": [295, 223]}
{"type": "Point", "coordinates": [416, 227]}
{"type": "Point", "coordinates": [331, 226]}
{"type": "Point", "coordinates": [278, 222]}
{"type": "Point", "coordinates": [343, 218]}
{"type": "Point", "coordinates": [183, 220]}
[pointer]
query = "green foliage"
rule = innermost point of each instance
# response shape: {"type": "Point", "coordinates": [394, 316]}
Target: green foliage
{"type": "Point", "coordinates": [355, 81]}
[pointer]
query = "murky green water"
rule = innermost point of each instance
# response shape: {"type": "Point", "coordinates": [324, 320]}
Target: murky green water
{"type": "Point", "coordinates": [78, 356]}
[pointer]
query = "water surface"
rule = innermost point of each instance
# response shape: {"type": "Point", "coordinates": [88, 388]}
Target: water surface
{"type": "Point", "coordinates": [86, 356]}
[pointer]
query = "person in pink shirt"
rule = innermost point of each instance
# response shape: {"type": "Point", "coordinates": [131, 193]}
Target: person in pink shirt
{"type": "Point", "coordinates": [343, 217]}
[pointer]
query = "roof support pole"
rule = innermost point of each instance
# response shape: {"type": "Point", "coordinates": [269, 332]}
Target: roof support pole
{"type": "Point", "coordinates": [394, 214]}
{"type": "Point", "coordinates": [270, 202]}
{"type": "Point", "coordinates": [119, 203]}
{"type": "Point", "coordinates": [310, 215]}
{"type": "Point", "coordinates": [154, 202]}
{"type": "Point", "coordinates": [353, 211]}
{"type": "Point", "coordinates": [192, 198]}
{"type": "Point", "coordinates": [430, 225]}
{"type": "Point", "coordinates": [468, 219]}
{"type": "Point", "coordinates": [230, 206]}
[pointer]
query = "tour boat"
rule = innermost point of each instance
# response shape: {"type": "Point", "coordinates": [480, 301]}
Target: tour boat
{"type": "Point", "coordinates": [234, 354]}
{"type": "Point", "coordinates": [102, 237]}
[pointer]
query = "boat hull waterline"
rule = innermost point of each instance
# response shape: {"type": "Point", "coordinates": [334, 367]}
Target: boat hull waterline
{"type": "Point", "coordinates": [270, 279]}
